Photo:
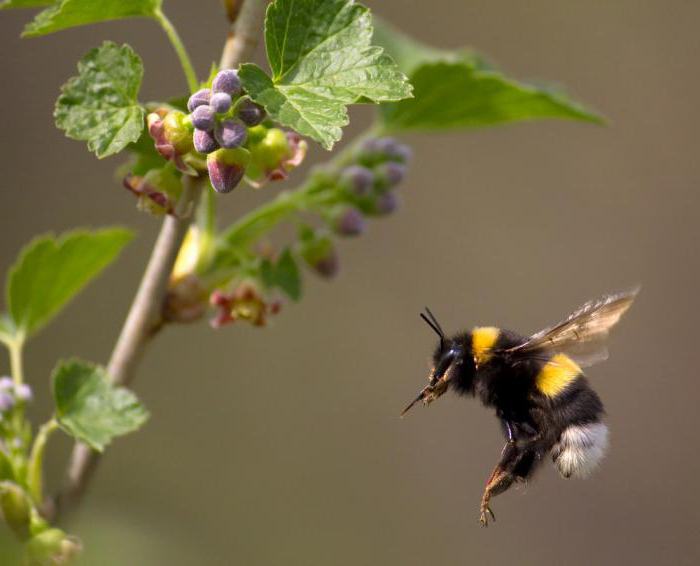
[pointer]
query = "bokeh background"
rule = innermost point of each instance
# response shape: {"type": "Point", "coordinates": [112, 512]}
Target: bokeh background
{"type": "Point", "coordinates": [283, 445]}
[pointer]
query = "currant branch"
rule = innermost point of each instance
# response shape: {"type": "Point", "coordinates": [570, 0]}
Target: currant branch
{"type": "Point", "coordinates": [145, 315]}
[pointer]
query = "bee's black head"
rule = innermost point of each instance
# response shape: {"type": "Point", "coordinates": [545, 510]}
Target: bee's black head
{"type": "Point", "coordinates": [453, 363]}
{"type": "Point", "coordinates": [448, 363]}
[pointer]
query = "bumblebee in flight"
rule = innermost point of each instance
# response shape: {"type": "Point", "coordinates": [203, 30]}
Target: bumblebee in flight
{"type": "Point", "coordinates": [537, 387]}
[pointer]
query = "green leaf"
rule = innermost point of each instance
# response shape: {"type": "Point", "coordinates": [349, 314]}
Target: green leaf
{"type": "Point", "coordinates": [283, 275]}
{"type": "Point", "coordinates": [461, 94]}
{"type": "Point", "coordinates": [25, 3]}
{"type": "Point", "coordinates": [100, 105]}
{"type": "Point", "coordinates": [7, 328]}
{"type": "Point", "coordinates": [50, 271]}
{"type": "Point", "coordinates": [322, 60]}
{"type": "Point", "coordinates": [65, 14]}
{"type": "Point", "coordinates": [408, 52]}
{"type": "Point", "coordinates": [89, 408]}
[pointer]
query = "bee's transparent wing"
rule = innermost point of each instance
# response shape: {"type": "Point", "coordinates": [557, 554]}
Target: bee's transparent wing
{"type": "Point", "coordinates": [582, 335]}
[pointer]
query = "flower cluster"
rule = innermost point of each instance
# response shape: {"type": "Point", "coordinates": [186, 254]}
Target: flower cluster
{"type": "Point", "coordinates": [244, 284]}
{"type": "Point", "coordinates": [12, 394]}
{"type": "Point", "coordinates": [226, 134]}
{"type": "Point", "coordinates": [364, 186]}
{"type": "Point", "coordinates": [370, 181]}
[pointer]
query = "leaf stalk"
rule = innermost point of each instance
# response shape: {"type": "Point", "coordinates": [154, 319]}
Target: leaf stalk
{"type": "Point", "coordinates": [180, 50]}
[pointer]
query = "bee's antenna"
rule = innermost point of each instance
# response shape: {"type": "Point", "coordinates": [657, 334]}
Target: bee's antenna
{"type": "Point", "coordinates": [431, 321]}
{"type": "Point", "coordinates": [432, 317]}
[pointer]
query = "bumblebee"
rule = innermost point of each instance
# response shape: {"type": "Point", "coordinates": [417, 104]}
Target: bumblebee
{"type": "Point", "coordinates": [536, 386]}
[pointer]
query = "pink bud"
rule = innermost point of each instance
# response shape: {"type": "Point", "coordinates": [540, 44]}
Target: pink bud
{"type": "Point", "coordinates": [226, 168]}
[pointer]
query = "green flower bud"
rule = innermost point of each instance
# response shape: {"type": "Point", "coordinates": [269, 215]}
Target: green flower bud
{"type": "Point", "coordinates": [274, 153]}
{"type": "Point", "coordinates": [172, 133]}
{"type": "Point", "coordinates": [16, 508]}
{"type": "Point", "coordinates": [178, 130]}
{"type": "Point", "coordinates": [51, 546]}
{"type": "Point", "coordinates": [272, 148]}
{"type": "Point", "coordinates": [256, 134]}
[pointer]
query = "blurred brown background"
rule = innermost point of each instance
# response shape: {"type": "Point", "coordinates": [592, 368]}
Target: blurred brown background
{"type": "Point", "coordinates": [284, 446]}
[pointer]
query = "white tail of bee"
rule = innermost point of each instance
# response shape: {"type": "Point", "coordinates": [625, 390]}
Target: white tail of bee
{"type": "Point", "coordinates": [580, 449]}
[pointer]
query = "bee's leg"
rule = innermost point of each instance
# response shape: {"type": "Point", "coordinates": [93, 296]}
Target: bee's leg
{"type": "Point", "coordinates": [500, 480]}
{"type": "Point", "coordinates": [519, 459]}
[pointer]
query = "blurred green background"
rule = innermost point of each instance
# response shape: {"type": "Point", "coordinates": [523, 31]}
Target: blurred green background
{"type": "Point", "coordinates": [283, 445]}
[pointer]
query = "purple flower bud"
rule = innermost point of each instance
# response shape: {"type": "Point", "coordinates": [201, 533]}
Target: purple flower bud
{"type": "Point", "coordinates": [227, 81]}
{"type": "Point", "coordinates": [227, 167]}
{"type": "Point", "coordinates": [319, 253]}
{"type": "Point", "coordinates": [370, 145]}
{"type": "Point", "coordinates": [220, 102]}
{"type": "Point", "coordinates": [230, 134]}
{"type": "Point", "coordinates": [6, 383]}
{"type": "Point", "coordinates": [328, 266]}
{"type": "Point", "coordinates": [23, 392]}
{"type": "Point", "coordinates": [204, 142]}
{"type": "Point", "coordinates": [391, 173]}
{"type": "Point", "coordinates": [400, 152]}
{"type": "Point", "coordinates": [203, 118]}
{"type": "Point", "coordinates": [387, 203]}
{"type": "Point", "coordinates": [7, 401]}
{"type": "Point", "coordinates": [251, 114]}
{"type": "Point", "coordinates": [377, 150]}
{"type": "Point", "coordinates": [357, 179]}
{"type": "Point", "coordinates": [199, 98]}
{"type": "Point", "coordinates": [224, 178]}
{"type": "Point", "coordinates": [350, 222]}
{"type": "Point", "coordinates": [386, 146]}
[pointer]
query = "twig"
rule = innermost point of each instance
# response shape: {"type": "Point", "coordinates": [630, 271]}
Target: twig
{"type": "Point", "coordinates": [144, 318]}
{"type": "Point", "coordinates": [246, 17]}
{"type": "Point", "coordinates": [142, 322]}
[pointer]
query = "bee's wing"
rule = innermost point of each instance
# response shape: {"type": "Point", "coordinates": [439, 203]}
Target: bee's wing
{"type": "Point", "coordinates": [582, 335]}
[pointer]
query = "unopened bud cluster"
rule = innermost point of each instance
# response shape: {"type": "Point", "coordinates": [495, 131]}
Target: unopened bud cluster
{"type": "Point", "coordinates": [228, 134]}
{"type": "Point", "coordinates": [371, 181]}
{"type": "Point", "coordinates": [365, 187]}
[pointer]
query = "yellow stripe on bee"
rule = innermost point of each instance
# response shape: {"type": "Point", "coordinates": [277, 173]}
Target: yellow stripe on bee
{"type": "Point", "coordinates": [483, 340]}
{"type": "Point", "coordinates": [556, 374]}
